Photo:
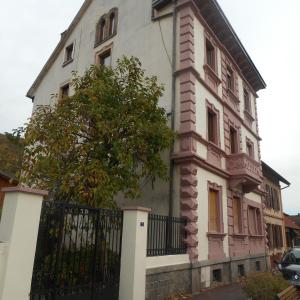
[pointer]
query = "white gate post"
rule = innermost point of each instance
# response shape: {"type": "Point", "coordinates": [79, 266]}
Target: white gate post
{"type": "Point", "coordinates": [18, 236]}
{"type": "Point", "coordinates": [133, 256]}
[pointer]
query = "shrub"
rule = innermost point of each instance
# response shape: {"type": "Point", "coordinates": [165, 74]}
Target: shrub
{"type": "Point", "coordinates": [264, 286]}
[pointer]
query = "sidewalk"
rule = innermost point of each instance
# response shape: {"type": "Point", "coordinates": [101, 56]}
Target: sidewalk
{"type": "Point", "coordinates": [230, 292]}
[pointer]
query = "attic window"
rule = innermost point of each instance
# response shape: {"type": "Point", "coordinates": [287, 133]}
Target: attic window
{"type": "Point", "coordinates": [69, 53]}
{"type": "Point", "coordinates": [106, 26]}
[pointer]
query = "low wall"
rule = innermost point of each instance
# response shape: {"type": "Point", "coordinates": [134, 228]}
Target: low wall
{"type": "Point", "coordinates": [182, 277]}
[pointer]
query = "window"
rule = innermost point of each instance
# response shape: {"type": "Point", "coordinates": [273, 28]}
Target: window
{"type": "Point", "coordinates": [104, 59]}
{"type": "Point", "coordinates": [69, 53]}
{"type": "Point", "coordinates": [237, 215]}
{"type": "Point", "coordinates": [212, 125]}
{"type": "Point", "coordinates": [257, 266]}
{"type": "Point", "coordinates": [247, 102]}
{"type": "Point", "coordinates": [214, 221]}
{"type": "Point", "coordinates": [230, 80]}
{"type": "Point", "coordinates": [272, 198]}
{"type": "Point", "coordinates": [233, 140]}
{"type": "Point", "coordinates": [254, 220]}
{"type": "Point", "coordinates": [270, 236]}
{"type": "Point", "coordinates": [112, 23]}
{"type": "Point", "coordinates": [64, 91]}
{"type": "Point", "coordinates": [210, 55]}
{"type": "Point", "coordinates": [249, 148]}
{"type": "Point", "coordinates": [241, 270]}
{"type": "Point", "coordinates": [217, 275]}
{"type": "Point", "coordinates": [107, 26]}
{"type": "Point", "coordinates": [277, 236]}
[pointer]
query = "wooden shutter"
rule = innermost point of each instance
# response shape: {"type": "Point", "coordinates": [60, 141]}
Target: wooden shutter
{"type": "Point", "coordinates": [214, 223]}
{"type": "Point", "coordinates": [251, 220]}
{"type": "Point", "coordinates": [237, 225]}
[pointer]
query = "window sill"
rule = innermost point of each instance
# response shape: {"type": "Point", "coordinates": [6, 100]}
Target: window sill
{"type": "Point", "coordinates": [240, 235]}
{"type": "Point", "coordinates": [219, 235]}
{"type": "Point", "coordinates": [233, 95]}
{"type": "Point", "coordinates": [67, 62]}
{"type": "Point", "coordinates": [212, 73]}
{"type": "Point", "coordinates": [256, 236]}
{"type": "Point", "coordinates": [98, 43]}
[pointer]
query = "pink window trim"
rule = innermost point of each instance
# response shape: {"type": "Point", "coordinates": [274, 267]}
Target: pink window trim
{"type": "Point", "coordinates": [241, 199]}
{"type": "Point", "coordinates": [249, 142]}
{"type": "Point", "coordinates": [212, 108]}
{"type": "Point", "coordinates": [238, 137]}
{"type": "Point", "coordinates": [217, 188]}
{"type": "Point", "coordinates": [207, 37]}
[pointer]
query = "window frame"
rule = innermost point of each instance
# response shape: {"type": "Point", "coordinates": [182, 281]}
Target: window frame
{"type": "Point", "coordinates": [67, 60]}
{"type": "Point", "coordinates": [104, 28]}
{"type": "Point", "coordinates": [230, 84]}
{"type": "Point", "coordinates": [61, 88]}
{"type": "Point", "coordinates": [239, 214]}
{"type": "Point", "coordinates": [251, 144]}
{"type": "Point", "coordinates": [258, 227]}
{"type": "Point", "coordinates": [211, 109]}
{"type": "Point", "coordinates": [247, 99]}
{"type": "Point", "coordinates": [220, 223]}
{"type": "Point", "coordinates": [234, 143]}
{"type": "Point", "coordinates": [213, 49]}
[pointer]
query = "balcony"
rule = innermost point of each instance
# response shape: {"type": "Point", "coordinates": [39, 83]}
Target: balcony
{"type": "Point", "coordinates": [245, 172]}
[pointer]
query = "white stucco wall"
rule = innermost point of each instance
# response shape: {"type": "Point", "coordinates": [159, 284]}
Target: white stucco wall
{"type": "Point", "coordinates": [136, 35]}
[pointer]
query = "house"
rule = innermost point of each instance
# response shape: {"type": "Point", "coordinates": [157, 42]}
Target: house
{"type": "Point", "coordinates": [273, 213]}
{"type": "Point", "coordinates": [6, 181]}
{"type": "Point", "coordinates": [292, 232]}
{"type": "Point", "coordinates": [211, 87]}
{"type": "Point", "coordinates": [295, 235]}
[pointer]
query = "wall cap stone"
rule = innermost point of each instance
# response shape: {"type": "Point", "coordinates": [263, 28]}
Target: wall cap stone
{"type": "Point", "coordinates": [137, 208]}
{"type": "Point", "coordinates": [23, 189]}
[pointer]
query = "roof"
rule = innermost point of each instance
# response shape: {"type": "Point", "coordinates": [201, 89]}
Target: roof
{"type": "Point", "coordinates": [289, 222]}
{"type": "Point", "coordinates": [266, 168]}
{"type": "Point", "coordinates": [7, 176]}
{"type": "Point", "coordinates": [296, 219]}
{"type": "Point", "coordinates": [64, 37]}
{"type": "Point", "coordinates": [218, 22]}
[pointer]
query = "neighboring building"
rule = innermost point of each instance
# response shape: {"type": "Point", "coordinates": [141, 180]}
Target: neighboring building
{"type": "Point", "coordinates": [211, 87]}
{"type": "Point", "coordinates": [273, 213]}
{"type": "Point", "coordinates": [292, 231]}
{"type": "Point", "coordinates": [6, 181]}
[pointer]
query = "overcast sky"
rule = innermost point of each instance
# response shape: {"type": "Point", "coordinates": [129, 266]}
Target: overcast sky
{"type": "Point", "coordinates": [269, 30]}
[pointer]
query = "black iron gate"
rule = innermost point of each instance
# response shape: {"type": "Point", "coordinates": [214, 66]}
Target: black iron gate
{"type": "Point", "coordinates": [78, 253]}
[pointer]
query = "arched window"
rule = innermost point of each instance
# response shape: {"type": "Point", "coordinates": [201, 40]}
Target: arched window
{"type": "Point", "coordinates": [112, 23]}
{"type": "Point", "coordinates": [102, 30]}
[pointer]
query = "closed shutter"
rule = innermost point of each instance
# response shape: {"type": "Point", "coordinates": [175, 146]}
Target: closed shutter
{"type": "Point", "coordinates": [214, 211]}
{"type": "Point", "coordinates": [237, 224]}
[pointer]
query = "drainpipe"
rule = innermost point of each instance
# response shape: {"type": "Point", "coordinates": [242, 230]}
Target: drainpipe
{"type": "Point", "coordinates": [173, 105]}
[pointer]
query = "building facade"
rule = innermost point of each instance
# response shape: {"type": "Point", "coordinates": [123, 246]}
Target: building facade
{"type": "Point", "coordinates": [273, 213]}
{"type": "Point", "coordinates": [292, 232]}
{"type": "Point", "coordinates": [211, 87]}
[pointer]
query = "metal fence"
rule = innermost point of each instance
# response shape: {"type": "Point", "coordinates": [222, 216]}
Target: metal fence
{"type": "Point", "coordinates": [78, 253]}
{"type": "Point", "coordinates": [166, 235]}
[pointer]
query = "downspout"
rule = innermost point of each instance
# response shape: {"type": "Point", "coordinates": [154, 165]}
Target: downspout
{"type": "Point", "coordinates": [173, 110]}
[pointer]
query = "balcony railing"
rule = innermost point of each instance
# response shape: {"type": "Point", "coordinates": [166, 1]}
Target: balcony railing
{"type": "Point", "coordinates": [244, 170]}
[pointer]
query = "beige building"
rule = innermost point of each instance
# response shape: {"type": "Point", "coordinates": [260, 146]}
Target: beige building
{"type": "Point", "coordinates": [273, 213]}
{"type": "Point", "coordinates": [211, 87]}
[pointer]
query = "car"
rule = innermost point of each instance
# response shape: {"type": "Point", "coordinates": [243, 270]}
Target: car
{"type": "Point", "coordinates": [290, 266]}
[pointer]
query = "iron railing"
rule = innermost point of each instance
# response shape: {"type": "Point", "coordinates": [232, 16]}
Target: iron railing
{"type": "Point", "coordinates": [166, 235]}
{"type": "Point", "coordinates": [78, 253]}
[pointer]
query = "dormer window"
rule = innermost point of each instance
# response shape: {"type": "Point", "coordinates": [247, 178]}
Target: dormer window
{"type": "Point", "coordinates": [107, 26]}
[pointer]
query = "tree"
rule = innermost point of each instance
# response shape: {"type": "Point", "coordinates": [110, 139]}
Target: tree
{"type": "Point", "coordinates": [11, 152]}
{"type": "Point", "coordinates": [100, 141]}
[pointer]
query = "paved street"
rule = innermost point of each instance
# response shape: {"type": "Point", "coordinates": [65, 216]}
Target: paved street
{"type": "Point", "coordinates": [230, 292]}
